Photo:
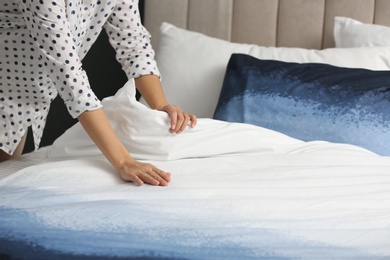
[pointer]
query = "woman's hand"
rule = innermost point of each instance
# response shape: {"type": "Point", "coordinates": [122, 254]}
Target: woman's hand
{"type": "Point", "coordinates": [179, 118]}
{"type": "Point", "coordinates": [99, 129]}
{"type": "Point", "coordinates": [151, 90]}
{"type": "Point", "coordinates": [141, 173]}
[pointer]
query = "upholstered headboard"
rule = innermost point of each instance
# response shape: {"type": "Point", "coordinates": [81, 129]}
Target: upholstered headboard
{"type": "Point", "coordinates": [281, 23]}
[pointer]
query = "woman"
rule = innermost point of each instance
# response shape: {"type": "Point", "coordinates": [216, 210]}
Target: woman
{"type": "Point", "coordinates": [42, 45]}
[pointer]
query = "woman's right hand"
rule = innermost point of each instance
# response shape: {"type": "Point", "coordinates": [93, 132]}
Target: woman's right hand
{"type": "Point", "coordinates": [140, 173]}
{"type": "Point", "coordinates": [99, 129]}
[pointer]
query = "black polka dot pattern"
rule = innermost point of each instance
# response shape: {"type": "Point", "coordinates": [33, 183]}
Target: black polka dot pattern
{"type": "Point", "coordinates": [42, 43]}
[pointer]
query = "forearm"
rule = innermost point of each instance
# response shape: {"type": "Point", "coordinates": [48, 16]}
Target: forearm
{"type": "Point", "coordinates": [99, 129]}
{"type": "Point", "coordinates": [151, 90]}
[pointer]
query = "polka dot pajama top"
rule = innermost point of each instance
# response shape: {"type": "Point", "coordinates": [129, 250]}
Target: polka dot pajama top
{"type": "Point", "coordinates": [42, 44]}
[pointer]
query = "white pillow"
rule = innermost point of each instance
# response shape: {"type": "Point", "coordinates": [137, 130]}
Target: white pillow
{"type": "Point", "coordinates": [145, 133]}
{"type": "Point", "coordinates": [352, 33]}
{"type": "Point", "coordinates": [193, 65]}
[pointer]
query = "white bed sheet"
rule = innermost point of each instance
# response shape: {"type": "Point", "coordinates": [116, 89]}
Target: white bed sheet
{"type": "Point", "coordinates": [276, 197]}
{"type": "Point", "coordinates": [294, 206]}
{"type": "Point", "coordinates": [14, 165]}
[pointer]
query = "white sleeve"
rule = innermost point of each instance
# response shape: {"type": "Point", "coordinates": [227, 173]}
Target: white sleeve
{"type": "Point", "coordinates": [131, 40]}
{"type": "Point", "coordinates": [50, 30]}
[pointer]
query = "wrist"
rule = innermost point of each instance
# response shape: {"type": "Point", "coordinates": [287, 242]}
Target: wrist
{"type": "Point", "coordinates": [119, 159]}
{"type": "Point", "coordinates": [160, 107]}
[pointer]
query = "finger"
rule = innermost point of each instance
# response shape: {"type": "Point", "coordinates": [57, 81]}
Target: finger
{"type": "Point", "coordinates": [156, 176]}
{"type": "Point", "coordinates": [184, 123]}
{"type": "Point", "coordinates": [179, 124]}
{"type": "Point", "coordinates": [133, 178]}
{"type": "Point", "coordinates": [166, 176]}
{"type": "Point", "coordinates": [194, 120]}
{"type": "Point", "coordinates": [148, 178]}
{"type": "Point", "coordinates": [173, 116]}
{"type": "Point", "coordinates": [163, 177]}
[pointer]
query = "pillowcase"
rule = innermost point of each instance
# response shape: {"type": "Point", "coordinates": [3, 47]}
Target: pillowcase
{"type": "Point", "coordinates": [193, 65]}
{"type": "Point", "coordinates": [145, 134]}
{"type": "Point", "coordinates": [309, 101]}
{"type": "Point", "coordinates": [352, 33]}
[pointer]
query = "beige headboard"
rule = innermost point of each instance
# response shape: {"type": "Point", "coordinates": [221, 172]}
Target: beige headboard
{"type": "Point", "coordinates": [281, 23]}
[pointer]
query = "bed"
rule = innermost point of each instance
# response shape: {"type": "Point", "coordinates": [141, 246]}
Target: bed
{"type": "Point", "coordinates": [290, 158]}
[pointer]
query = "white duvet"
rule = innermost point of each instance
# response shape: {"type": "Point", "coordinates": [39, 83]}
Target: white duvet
{"type": "Point", "coordinates": [237, 192]}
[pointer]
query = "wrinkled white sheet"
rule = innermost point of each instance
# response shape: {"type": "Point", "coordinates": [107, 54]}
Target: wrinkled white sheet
{"type": "Point", "coordinates": [237, 192]}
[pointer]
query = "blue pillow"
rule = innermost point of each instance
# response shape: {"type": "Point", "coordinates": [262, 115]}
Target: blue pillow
{"type": "Point", "coordinates": [309, 101]}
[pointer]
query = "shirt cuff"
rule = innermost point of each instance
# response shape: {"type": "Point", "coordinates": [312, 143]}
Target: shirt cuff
{"type": "Point", "coordinates": [84, 102]}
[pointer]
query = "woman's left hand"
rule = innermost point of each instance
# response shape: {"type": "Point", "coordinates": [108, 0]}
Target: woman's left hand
{"type": "Point", "coordinates": [179, 118]}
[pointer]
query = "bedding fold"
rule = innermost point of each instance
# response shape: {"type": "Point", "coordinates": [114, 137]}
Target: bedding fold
{"type": "Point", "coordinates": [238, 191]}
{"type": "Point", "coordinates": [289, 206]}
{"type": "Point", "coordinates": [145, 133]}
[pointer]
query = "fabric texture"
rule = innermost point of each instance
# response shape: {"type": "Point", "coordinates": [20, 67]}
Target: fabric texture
{"type": "Point", "coordinates": [238, 191]}
{"type": "Point", "coordinates": [193, 65]}
{"type": "Point", "coordinates": [36, 68]}
{"type": "Point", "coordinates": [352, 33]}
{"type": "Point", "coordinates": [309, 101]}
{"type": "Point", "coordinates": [145, 133]}
{"type": "Point", "coordinates": [232, 207]}
{"type": "Point", "coordinates": [271, 196]}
